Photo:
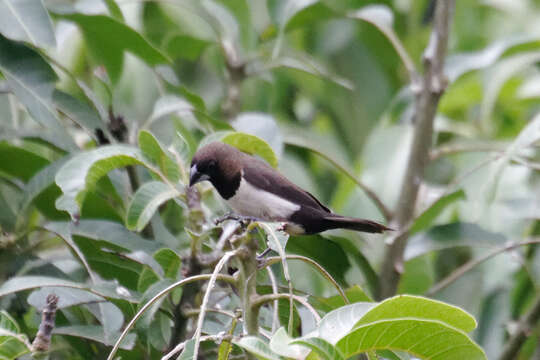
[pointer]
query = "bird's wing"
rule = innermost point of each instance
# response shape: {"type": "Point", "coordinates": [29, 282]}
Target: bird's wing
{"type": "Point", "coordinates": [264, 177]}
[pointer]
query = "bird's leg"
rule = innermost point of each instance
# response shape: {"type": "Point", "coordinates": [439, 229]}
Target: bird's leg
{"type": "Point", "coordinates": [243, 220]}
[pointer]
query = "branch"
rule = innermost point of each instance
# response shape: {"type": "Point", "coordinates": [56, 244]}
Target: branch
{"type": "Point", "coordinates": [526, 324]}
{"type": "Point", "coordinates": [129, 326]}
{"type": "Point", "coordinates": [206, 298]}
{"type": "Point", "coordinates": [385, 211]}
{"type": "Point", "coordinates": [263, 299]}
{"type": "Point", "coordinates": [463, 269]}
{"type": "Point", "coordinates": [430, 89]}
{"type": "Point", "coordinates": [457, 148]}
{"type": "Point", "coordinates": [275, 259]}
{"type": "Point", "coordinates": [182, 345]}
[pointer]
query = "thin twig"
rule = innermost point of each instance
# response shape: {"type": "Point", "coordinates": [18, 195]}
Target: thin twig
{"type": "Point", "coordinates": [263, 299]}
{"type": "Point", "coordinates": [525, 327]}
{"type": "Point", "coordinates": [385, 211]}
{"type": "Point", "coordinates": [275, 316]}
{"type": "Point", "coordinates": [206, 297]}
{"type": "Point", "coordinates": [457, 148]}
{"type": "Point", "coordinates": [468, 266]}
{"type": "Point", "coordinates": [181, 346]}
{"type": "Point", "coordinates": [286, 274]}
{"type": "Point", "coordinates": [430, 90]}
{"type": "Point", "coordinates": [274, 259]}
{"type": "Point", "coordinates": [129, 326]}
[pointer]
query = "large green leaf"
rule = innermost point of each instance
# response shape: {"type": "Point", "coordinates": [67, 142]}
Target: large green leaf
{"type": "Point", "coordinates": [111, 233]}
{"type": "Point", "coordinates": [26, 20]}
{"type": "Point", "coordinates": [108, 39]}
{"type": "Point", "coordinates": [32, 80]}
{"type": "Point", "coordinates": [96, 333]}
{"type": "Point", "coordinates": [305, 13]}
{"type": "Point", "coordinates": [252, 145]}
{"type": "Point", "coordinates": [327, 253]}
{"type": "Point", "coordinates": [41, 180]}
{"type": "Point", "coordinates": [80, 113]}
{"type": "Point", "coordinates": [426, 218]}
{"type": "Point", "coordinates": [336, 324]}
{"type": "Point", "coordinates": [451, 235]}
{"type": "Point", "coordinates": [20, 161]}
{"type": "Point", "coordinates": [145, 203]}
{"type": "Point", "coordinates": [257, 347]}
{"type": "Point", "coordinates": [155, 152]}
{"type": "Point", "coordinates": [322, 348]}
{"type": "Point", "coordinates": [83, 171]}
{"type": "Point", "coordinates": [406, 306]}
{"type": "Point", "coordinates": [12, 342]}
{"type": "Point", "coordinates": [425, 339]}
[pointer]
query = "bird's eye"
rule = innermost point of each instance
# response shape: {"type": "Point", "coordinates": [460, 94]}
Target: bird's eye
{"type": "Point", "coordinates": [211, 165]}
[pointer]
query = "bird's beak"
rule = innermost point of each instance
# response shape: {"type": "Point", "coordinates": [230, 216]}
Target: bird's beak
{"type": "Point", "coordinates": [195, 176]}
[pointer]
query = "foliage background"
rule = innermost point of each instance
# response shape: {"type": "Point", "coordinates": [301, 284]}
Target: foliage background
{"type": "Point", "coordinates": [315, 84]}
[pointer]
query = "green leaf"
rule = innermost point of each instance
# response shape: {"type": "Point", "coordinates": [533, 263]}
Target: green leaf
{"type": "Point", "coordinates": [96, 333]}
{"type": "Point", "coordinates": [189, 350]}
{"type": "Point", "coordinates": [252, 145]}
{"type": "Point", "coordinates": [82, 172]}
{"type": "Point", "coordinates": [107, 232]}
{"type": "Point", "coordinates": [20, 283]}
{"type": "Point", "coordinates": [170, 262]}
{"type": "Point", "coordinates": [263, 126]}
{"type": "Point", "coordinates": [280, 344]}
{"type": "Point", "coordinates": [257, 347]}
{"type": "Point", "coordinates": [336, 324]}
{"type": "Point", "coordinates": [67, 297]}
{"type": "Point", "coordinates": [80, 113]}
{"type": "Point", "coordinates": [32, 80]}
{"type": "Point", "coordinates": [149, 293]}
{"type": "Point", "coordinates": [325, 252]}
{"type": "Point", "coordinates": [186, 47]}
{"type": "Point", "coordinates": [309, 66]}
{"type": "Point", "coordinates": [114, 10]}
{"type": "Point", "coordinates": [324, 349]}
{"type": "Point", "coordinates": [307, 13]}
{"type": "Point", "coordinates": [154, 151]}
{"type": "Point", "coordinates": [354, 294]}
{"type": "Point", "coordinates": [425, 339]}
{"type": "Point", "coordinates": [407, 306]}
{"type": "Point", "coordinates": [12, 343]}
{"type": "Point", "coordinates": [108, 39]}
{"type": "Point", "coordinates": [426, 218]}
{"type": "Point", "coordinates": [26, 20]}
{"type": "Point", "coordinates": [42, 180]}
{"type": "Point", "coordinates": [19, 161]}
{"type": "Point", "coordinates": [450, 236]}
{"type": "Point", "coordinates": [145, 203]}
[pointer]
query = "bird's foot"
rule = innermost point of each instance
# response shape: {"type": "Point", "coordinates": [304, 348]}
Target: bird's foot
{"type": "Point", "coordinates": [243, 220]}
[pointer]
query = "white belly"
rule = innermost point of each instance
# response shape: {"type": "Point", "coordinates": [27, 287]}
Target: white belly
{"type": "Point", "coordinates": [253, 202]}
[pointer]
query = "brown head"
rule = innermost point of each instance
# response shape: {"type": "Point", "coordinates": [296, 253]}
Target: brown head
{"type": "Point", "coordinates": [219, 163]}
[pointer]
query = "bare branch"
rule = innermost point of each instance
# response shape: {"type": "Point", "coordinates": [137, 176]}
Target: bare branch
{"type": "Point", "coordinates": [525, 327]}
{"type": "Point", "coordinates": [468, 266]}
{"type": "Point", "coordinates": [429, 91]}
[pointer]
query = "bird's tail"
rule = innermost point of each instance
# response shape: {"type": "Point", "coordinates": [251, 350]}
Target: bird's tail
{"type": "Point", "coordinates": [345, 222]}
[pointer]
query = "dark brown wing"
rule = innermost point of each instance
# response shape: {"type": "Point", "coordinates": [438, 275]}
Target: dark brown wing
{"type": "Point", "coordinates": [261, 175]}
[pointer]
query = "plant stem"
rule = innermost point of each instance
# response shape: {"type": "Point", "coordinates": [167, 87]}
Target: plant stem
{"type": "Point", "coordinates": [463, 269]}
{"type": "Point", "coordinates": [247, 286]}
{"type": "Point", "coordinates": [429, 90]}
{"type": "Point", "coordinates": [526, 324]}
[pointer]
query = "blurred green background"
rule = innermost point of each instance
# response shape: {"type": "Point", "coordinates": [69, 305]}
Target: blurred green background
{"type": "Point", "coordinates": [323, 85]}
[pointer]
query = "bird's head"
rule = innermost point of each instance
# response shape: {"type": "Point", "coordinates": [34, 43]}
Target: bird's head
{"type": "Point", "coordinates": [215, 162]}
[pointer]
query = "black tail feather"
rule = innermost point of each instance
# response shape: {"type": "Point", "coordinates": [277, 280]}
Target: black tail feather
{"type": "Point", "coordinates": [344, 222]}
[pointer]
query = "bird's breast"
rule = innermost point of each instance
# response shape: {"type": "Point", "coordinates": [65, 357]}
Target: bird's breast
{"type": "Point", "coordinates": [254, 202]}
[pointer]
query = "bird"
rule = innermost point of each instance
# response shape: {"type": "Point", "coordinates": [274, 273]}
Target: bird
{"type": "Point", "coordinates": [255, 190]}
